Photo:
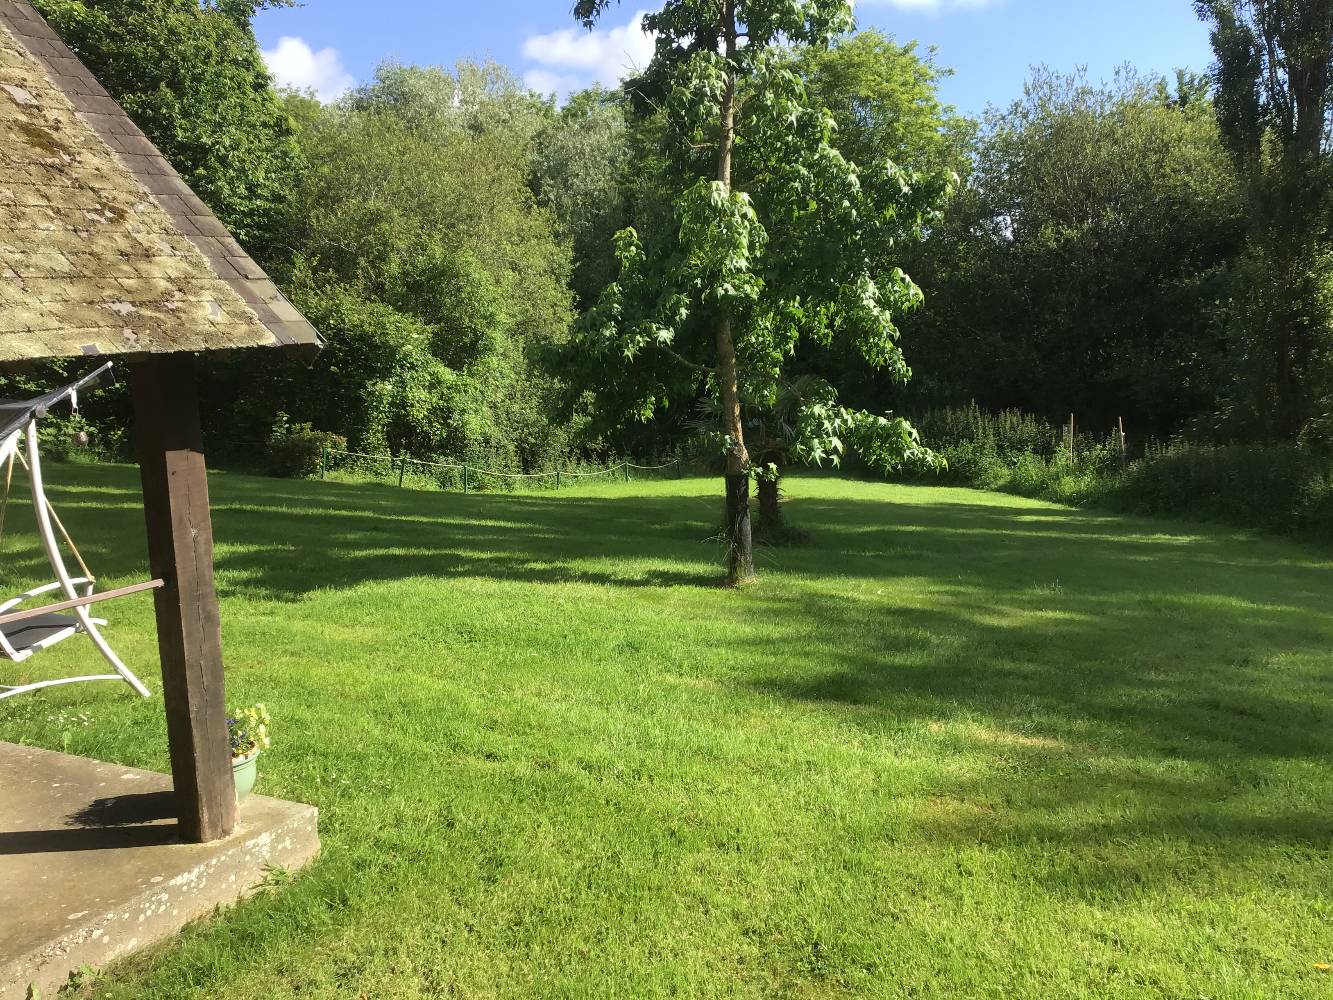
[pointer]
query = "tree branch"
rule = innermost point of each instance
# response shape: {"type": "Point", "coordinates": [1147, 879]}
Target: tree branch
{"type": "Point", "coordinates": [681, 359]}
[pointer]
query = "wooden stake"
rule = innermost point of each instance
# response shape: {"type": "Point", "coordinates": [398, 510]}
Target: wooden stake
{"type": "Point", "coordinates": [180, 552]}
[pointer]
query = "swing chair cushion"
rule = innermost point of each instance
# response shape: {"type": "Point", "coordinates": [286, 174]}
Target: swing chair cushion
{"type": "Point", "coordinates": [38, 633]}
{"type": "Point", "coordinates": [23, 638]}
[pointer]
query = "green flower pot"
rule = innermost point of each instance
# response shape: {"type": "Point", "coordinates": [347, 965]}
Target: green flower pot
{"type": "Point", "coordinates": [244, 770]}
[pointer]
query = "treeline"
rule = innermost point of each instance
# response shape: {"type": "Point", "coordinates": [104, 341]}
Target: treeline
{"type": "Point", "coordinates": [1088, 263]}
{"type": "Point", "coordinates": [1148, 250]}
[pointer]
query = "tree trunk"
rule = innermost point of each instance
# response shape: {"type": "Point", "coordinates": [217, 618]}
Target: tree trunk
{"type": "Point", "coordinates": [740, 558]}
{"type": "Point", "coordinates": [770, 510]}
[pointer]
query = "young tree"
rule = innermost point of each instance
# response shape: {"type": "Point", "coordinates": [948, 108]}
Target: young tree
{"type": "Point", "coordinates": [801, 422]}
{"type": "Point", "coordinates": [764, 234]}
{"type": "Point", "coordinates": [1274, 102]}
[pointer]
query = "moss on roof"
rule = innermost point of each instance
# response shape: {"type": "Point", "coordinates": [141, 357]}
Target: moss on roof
{"type": "Point", "coordinates": [102, 250]}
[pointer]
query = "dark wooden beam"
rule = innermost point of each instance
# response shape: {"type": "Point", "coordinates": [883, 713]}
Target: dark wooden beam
{"type": "Point", "coordinates": [180, 551]}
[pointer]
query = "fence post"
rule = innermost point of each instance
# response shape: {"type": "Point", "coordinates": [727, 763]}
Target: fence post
{"type": "Point", "coordinates": [680, 468]}
{"type": "Point", "coordinates": [323, 462]}
{"type": "Point", "coordinates": [1071, 438]}
{"type": "Point", "coordinates": [402, 471]}
{"type": "Point", "coordinates": [464, 477]}
{"type": "Point", "coordinates": [1124, 445]}
{"type": "Point", "coordinates": [557, 475]}
{"type": "Point", "coordinates": [627, 472]}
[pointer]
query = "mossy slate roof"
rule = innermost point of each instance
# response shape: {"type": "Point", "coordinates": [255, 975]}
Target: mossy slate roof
{"type": "Point", "coordinates": [104, 249]}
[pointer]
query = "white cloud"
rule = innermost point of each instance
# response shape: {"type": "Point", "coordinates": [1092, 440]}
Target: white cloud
{"type": "Point", "coordinates": [294, 63]}
{"type": "Point", "coordinates": [572, 57]}
{"type": "Point", "coordinates": [543, 81]}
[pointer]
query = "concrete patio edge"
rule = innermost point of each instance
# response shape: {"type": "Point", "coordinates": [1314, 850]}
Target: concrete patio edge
{"type": "Point", "coordinates": [91, 869]}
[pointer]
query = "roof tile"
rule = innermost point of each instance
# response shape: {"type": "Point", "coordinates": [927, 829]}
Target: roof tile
{"type": "Point", "coordinates": [208, 225]}
{"type": "Point", "coordinates": [247, 268]}
{"type": "Point", "coordinates": [103, 247]}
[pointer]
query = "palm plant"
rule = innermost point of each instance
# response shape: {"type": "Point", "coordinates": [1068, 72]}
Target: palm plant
{"type": "Point", "coordinates": [774, 437]}
{"type": "Point", "coordinates": [799, 420]}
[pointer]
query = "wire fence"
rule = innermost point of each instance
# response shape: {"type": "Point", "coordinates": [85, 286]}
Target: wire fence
{"type": "Point", "coordinates": [417, 473]}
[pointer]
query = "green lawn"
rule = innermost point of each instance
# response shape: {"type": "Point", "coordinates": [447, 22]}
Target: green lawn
{"type": "Point", "coordinates": [960, 746]}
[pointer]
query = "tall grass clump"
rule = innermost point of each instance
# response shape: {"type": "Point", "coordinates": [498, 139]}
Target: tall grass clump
{"type": "Point", "coordinates": [1284, 489]}
{"type": "Point", "coordinates": [983, 448]}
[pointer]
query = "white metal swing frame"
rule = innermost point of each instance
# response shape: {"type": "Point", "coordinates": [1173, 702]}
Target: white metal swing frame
{"type": "Point", "coordinates": [77, 590]}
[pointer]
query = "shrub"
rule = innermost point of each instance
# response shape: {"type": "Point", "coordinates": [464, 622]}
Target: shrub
{"type": "Point", "coordinates": [1007, 433]}
{"type": "Point", "coordinates": [1287, 489]}
{"type": "Point", "coordinates": [73, 438]}
{"type": "Point", "coordinates": [297, 450]}
{"type": "Point", "coordinates": [1281, 488]}
{"type": "Point", "coordinates": [1314, 511]}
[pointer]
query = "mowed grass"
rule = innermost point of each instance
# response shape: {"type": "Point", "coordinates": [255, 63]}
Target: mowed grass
{"type": "Point", "coordinates": [960, 746]}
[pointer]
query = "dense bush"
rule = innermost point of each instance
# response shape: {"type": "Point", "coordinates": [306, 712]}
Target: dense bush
{"type": "Point", "coordinates": [69, 437]}
{"type": "Point", "coordinates": [1010, 432]}
{"type": "Point", "coordinates": [1281, 488]}
{"type": "Point", "coordinates": [417, 249]}
{"type": "Point", "coordinates": [1286, 489]}
{"type": "Point", "coordinates": [296, 450]}
{"type": "Point", "coordinates": [1086, 260]}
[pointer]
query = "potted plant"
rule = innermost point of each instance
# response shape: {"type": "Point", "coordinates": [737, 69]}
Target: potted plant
{"type": "Point", "coordinates": [248, 729]}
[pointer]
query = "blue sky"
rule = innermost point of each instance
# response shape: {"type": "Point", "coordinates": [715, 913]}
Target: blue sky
{"type": "Point", "coordinates": [329, 45]}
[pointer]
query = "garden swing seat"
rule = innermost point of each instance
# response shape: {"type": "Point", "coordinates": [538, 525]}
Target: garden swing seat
{"type": "Point", "coordinates": [26, 631]}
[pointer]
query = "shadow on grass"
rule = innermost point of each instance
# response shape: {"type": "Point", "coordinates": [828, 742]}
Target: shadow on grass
{"type": "Point", "coordinates": [280, 539]}
{"type": "Point", "coordinates": [1117, 696]}
{"type": "Point", "coordinates": [1101, 653]}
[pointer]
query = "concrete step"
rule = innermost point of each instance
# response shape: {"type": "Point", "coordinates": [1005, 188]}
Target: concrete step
{"type": "Point", "coordinates": [91, 868]}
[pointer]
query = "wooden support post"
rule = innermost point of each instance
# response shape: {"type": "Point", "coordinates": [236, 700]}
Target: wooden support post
{"type": "Point", "coordinates": [1124, 444]}
{"type": "Point", "coordinates": [189, 635]}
